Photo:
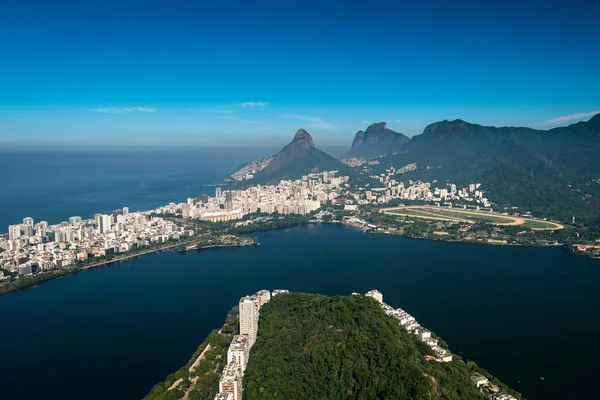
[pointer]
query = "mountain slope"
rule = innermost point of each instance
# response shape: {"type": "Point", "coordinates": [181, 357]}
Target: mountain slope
{"type": "Point", "coordinates": [345, 347]}
{"type": "Point", "coordinates": [298, 158]}
{"type": "Point", "coordinates": [376, 140]}
{"type": "Point", "coordinates": [551, 172]}
{"type": "Point", "coordinates": [301, 146]}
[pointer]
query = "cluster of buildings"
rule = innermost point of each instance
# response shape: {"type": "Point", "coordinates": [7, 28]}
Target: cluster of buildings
{"type": "Point", "coordinates": [30, 248]}
{"type": "Point", "coordinates": [488, 388]}
{"type": "Point", "coordinates": [353, 161]}
{"type": "Point", "coordinates": [441, 354]}
{"type": "Point", "coordinates": [410, 323]}
{"type": "Point", "coordinates": [301, 196]}
{"type": "Point", "coordinates": [420, 191]}
{"type": "Point", "coordinates": [424, 191]}
{"type": "Point", "coordinates": [35, 247]}
{"type": "Point", "coordinates": [230, 383]}
{"type": "Point", "coordinates": [249, 170]}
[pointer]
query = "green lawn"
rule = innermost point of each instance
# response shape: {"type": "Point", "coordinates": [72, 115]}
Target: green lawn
{"type": "Point", "coordinates": [535, 224]}
{"type": "Point", "coordinates": [458, 215]}
{"type": "Point", "coordinates": [477, 216]}
{"type": "Point", "coordinates": [422, 214]}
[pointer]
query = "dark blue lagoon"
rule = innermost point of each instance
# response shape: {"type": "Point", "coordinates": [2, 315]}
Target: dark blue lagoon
{"type": "Point", "coordinates": [522, 313]}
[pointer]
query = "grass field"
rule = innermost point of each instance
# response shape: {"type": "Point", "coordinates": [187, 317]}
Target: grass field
{"type": "Point", "coordinates": [470, 216]}
{"type": "Point", "coordinates": [422, 214]}
{"type": "Point", "coordinates": [477, 216]}
{"type": "Point", "coordinates": [541, 225]}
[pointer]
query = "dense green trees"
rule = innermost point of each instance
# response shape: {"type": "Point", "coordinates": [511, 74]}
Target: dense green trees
{"type": "Point", "coordinates": [25, 281]}
{"type": "Point", "coordinates": [320, 347]}
{"type": "Point", "coordinates": [206, 374]}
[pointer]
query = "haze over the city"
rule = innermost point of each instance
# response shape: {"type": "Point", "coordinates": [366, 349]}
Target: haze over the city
{"type": "Point", "coordinates": [252, 73]}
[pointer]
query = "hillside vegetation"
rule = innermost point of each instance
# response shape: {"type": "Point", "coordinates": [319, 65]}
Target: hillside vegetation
{"type": "Point", "coordinates": [553, 173]}
{"type": "Point", "coordinates": [198, 379]}
{"type": "Point", "coordinates": [319, 347]}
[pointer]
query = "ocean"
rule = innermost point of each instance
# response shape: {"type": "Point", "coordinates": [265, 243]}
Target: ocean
{"type": "Point", "coordinates": [54, 186]}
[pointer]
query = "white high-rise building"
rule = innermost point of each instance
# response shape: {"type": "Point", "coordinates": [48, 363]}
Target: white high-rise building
{"type": "Point", "coordinates": [105, 223]}
{"type": "Point", "coordinates": [376, 294]}
{"type": "Point", "coordinates": [27, 227]}
{"type": "Point", "coordinates": [263, 297]}
{"type": "Point", "coordinates": [27, 230]}
{"type": "Point", "coordinates": [41, 228]}
{"type": "Point", "coordinates": [74, 221]}
{"type": "Point", "coordinates": [14, 232]}
{"type": "Point", "coordinates": [231, 381]}
{"type": "Point", "coordinates": [248, 308]}
{"type": "Point", "coordinates": [238, 352]}
{"type": "Point", "coordinates": [218, 192]}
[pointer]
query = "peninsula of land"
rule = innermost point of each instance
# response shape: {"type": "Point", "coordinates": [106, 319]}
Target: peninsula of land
{"type": "Point", "coordinates": [306, 346]}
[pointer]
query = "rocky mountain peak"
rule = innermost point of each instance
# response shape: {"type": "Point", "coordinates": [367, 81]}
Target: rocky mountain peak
{"type": "Point", "coordinates": [303, 136]}
{"type": "Point", "coordinates": [379, 125]}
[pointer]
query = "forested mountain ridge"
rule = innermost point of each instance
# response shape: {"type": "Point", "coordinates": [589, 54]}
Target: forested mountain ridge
{"type": "Point", "coordinates": [552, 172]}
{"type": "Point", "coordinates": [345, 347]}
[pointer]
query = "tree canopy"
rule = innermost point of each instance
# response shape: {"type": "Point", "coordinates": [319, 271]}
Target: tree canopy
{"type": "Point", "coordinates": [319, 347]}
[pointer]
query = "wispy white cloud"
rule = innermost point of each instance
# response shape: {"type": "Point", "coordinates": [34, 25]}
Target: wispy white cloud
{"type": "Point", "coordinates": [212, 110]}
{"type": "Point", "coordinates": [123, 110]}
{"type": "Point", "coordinates": [326, 126]}
{"type": "Point", "coordinates": [399, 120]}
{"type": "Point", "coordinates": [253, 104]}
{"type": "Point", "coordinates": [365, 122]}
{"type": "Point", "coordinates": [245, 121]}
{"type": "Point", "coordinates": [572, 117]}
{"type": "Point", "coordinates": [315, 122]}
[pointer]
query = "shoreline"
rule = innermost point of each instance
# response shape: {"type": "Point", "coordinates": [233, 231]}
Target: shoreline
{"type": "Point", "coordinates": [564, 246]}
{"type": "Point", "coordinates": [67, 272]}
{"type": "Point", "coordinates": [127, 257]}
{"type": "Point", "coordinates": [63, 273]}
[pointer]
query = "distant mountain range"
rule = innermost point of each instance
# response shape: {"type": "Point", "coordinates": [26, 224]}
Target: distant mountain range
{"type": "Point", "coordinates": [554, 172]}
{"type": "Point", "coordinates": [299, 157]}
{"type": "Point", "coordinates": [376, 140]}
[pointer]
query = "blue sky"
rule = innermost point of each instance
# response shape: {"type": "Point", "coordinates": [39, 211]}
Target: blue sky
{"type": "Point", "coordinates": [253, 72]}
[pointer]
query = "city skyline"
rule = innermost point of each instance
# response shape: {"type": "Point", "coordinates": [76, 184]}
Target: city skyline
{"type": "Point", "coordinates": [235, 74]}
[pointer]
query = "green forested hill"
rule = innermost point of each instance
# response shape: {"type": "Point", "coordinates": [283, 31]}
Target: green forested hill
{"type": "Point", "coordinates": [554, 173]}
{"type": "Point", "coordinates": [320, 347]}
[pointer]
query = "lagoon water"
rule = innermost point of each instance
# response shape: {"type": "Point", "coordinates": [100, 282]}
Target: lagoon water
{"type": "Point", "coordinates": [522, 313]}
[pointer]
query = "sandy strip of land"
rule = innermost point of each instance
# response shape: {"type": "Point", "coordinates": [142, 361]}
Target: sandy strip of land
{"type": "Point", "coordinates": [197, 361]}
{"type": "Point", "coordinates": [174, 385]}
